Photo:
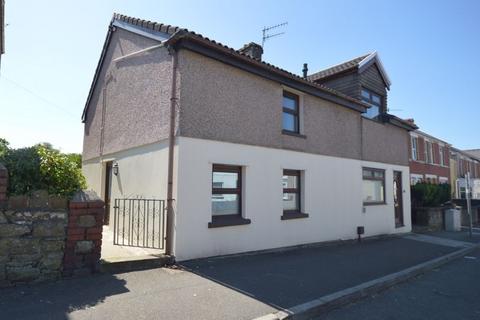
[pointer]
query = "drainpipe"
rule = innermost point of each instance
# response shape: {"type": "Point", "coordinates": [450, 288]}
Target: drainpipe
{"type": "Point", "coordinates": [171, 146]}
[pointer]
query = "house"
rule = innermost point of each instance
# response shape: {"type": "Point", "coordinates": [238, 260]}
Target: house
{"type": "Point", "coordinates": [429, 158]}
{"type": "Point", "coordinates": [246, 155]}
{"type": "Point", "coordinates": [463, 162]}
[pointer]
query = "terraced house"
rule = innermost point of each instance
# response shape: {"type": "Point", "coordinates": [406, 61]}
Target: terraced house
{"type": "Point", "coordinates": [246, 155]}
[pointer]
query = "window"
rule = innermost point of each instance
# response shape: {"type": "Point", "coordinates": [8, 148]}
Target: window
{"type": "Point", "coordinates": [291, 190]}
{"type": "Point", "coordinates": [414, 148]}
{"type": "Point", "coordinates": [226, 190]}
{"type": "Point", "coordinates": [373, 186]}
{"type": "Point", "coordinates": [292, 208]}
{"type": "Point", "coordinates": [374, 101]}
{"type": "Point", "coordinates": [226, 196]}
{"type": "Point", "coordinates": [428, 152]}
{"type": "Point", "coordinates": [441, 152]}
{"type": "Point", "coordinates": [291, 122]}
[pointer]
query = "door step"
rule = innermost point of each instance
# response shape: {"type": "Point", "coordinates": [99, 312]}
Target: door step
{"type": "Point", "coordinates": [135, 263]}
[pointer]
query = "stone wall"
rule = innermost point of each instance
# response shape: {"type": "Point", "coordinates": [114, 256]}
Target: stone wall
{"type": "Point", "coordinates": [431, 217]}
{"type": "Point", "coordinates": [44, 237]}
{"type": "Point", "coordinates": [32, 238]}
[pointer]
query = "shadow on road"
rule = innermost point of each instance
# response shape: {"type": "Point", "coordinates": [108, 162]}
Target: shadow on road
{"type": "Point", "coordinates": [56, 300]}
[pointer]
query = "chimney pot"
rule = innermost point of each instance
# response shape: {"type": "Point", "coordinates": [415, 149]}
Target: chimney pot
{"type": "Point", "coordinates": [305, 70]}
{"type": "Point", "coordinates": [253, 50]}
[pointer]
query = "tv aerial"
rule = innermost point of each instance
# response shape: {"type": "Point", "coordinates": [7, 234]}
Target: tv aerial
{"type": "Point", "coordinates": [266, 35]}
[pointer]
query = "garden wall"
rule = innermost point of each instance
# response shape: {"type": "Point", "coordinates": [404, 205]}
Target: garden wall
{"type": "Point", "coordinates": [45, 237]}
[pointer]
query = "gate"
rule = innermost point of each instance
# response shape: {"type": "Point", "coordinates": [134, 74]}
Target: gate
{"type": "Point", "coordinates": [139, 223]}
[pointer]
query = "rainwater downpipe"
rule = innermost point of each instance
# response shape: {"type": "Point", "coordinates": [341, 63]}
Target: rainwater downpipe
{"type": "Point", "coordinates": [171, 147]}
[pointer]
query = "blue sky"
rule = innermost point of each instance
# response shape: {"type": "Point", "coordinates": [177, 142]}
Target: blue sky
{"type": "Point", "coordinates": [430, 50]}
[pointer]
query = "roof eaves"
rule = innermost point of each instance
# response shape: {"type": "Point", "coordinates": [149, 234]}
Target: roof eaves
{"type": "Point", "coordinates": [378, 61]}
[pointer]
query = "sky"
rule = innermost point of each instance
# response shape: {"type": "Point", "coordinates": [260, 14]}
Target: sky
{"type": "Point", "coordinates": [430, 50]}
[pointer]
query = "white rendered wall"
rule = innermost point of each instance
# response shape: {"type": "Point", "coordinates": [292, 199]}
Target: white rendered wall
{"type": "Point", "coordinates": [142, 173]}
{"type": "Point", "coordinates": [332, 197]}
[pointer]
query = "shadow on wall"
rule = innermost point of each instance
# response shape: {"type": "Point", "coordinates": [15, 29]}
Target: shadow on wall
{"type": "Point", "coordinates": [57, 300]}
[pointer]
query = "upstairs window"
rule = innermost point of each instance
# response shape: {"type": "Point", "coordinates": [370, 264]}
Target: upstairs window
{"type": "Point", "coordinates": [428, 152]}
{"type": "Point", "coordinates": [414, 148]}
{"type": "Point", "coordinates": [291, 122]}
{"type": "Point", "coordinates": [441, 152]}
{"type": "Point", "coordinates": [374, 101]}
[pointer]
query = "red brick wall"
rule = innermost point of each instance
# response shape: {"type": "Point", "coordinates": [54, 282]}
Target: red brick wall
{"type": "Point", "coordinates": [84, 236]}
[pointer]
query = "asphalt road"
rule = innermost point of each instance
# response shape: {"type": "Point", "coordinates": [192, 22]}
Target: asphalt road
{"type": "Point", "coordinates": [451, 292]}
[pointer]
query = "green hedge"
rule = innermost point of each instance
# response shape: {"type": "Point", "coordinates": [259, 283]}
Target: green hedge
{"type": "Point", "coordinates": [430, 195]}
{"type": "Point", "coordinates": [41, 167]}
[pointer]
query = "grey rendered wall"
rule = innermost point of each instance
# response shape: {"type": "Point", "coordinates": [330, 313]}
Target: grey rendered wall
{"type": "Point", "coordinates": [385, 143]}
{"type": "Point", "coordinates": [136, 97]}
{"type": "Point", "coordinates": [220, 102]}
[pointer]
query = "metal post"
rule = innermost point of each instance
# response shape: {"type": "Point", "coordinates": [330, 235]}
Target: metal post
{"type": "Point", "coordinates": [469, 203]}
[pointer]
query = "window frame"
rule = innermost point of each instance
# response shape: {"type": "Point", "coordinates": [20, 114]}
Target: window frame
{"type": "Point", "coordinates": [428, 152]}
{"type": "Point", "coordinates": [441, 153]}
{"type": "Point", "coordinates": [370, 101]}
{"type": "Point", "coordinates": [296, 213]}
{"type": "Point", "coordinates": [295, 113]}
{"type": "Point", "coordinates": [414, 148]}
{"type": "Point", "coordinates": [373, 178]}
{"type": "Point", "coordinates": [297, 190]}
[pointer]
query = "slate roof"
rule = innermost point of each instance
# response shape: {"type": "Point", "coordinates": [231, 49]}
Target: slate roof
{"type": "Point", "coordinates": [339, 68]}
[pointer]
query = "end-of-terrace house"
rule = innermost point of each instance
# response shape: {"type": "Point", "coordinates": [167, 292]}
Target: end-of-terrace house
{"type": "Point", "coordinates": [429, 159]}
{"type": "Point", "coordinates": [247, 155]}
{"type": "Point", "coordinates": [463, 162]}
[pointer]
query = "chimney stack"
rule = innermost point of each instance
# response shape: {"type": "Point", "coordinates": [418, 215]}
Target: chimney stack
{"type": "Point", "coordinates": [305, 70]}
{"type": "Point", "coordinates": [253, 50]}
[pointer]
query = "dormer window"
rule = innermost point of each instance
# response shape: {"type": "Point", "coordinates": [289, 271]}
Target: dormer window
{"type": "Point", "coordinates": [374, 101]}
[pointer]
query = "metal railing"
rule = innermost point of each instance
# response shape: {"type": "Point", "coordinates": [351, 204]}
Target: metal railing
{"type": "Point", "coordinates": [139, 223]}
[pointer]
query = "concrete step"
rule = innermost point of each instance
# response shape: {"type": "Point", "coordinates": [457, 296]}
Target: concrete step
{"type": "Point", "coordinates": [135, 263]}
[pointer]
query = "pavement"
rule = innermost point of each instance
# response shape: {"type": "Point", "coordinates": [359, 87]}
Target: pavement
{"type": "Point", "coordinates": [450, 292]}
{"type": "Point", "coordinates": [115, 253]}
{"type": "Point", "coordinates": [235, 287]}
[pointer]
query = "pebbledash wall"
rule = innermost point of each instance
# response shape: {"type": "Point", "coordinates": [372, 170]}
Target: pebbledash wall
{"type": "Point", "coordinates": [332, 196]}
{"type": "Point", "coordinates": [45, 237]}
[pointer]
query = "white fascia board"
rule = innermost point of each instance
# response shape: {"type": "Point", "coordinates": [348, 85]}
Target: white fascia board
{"type": "Point", "coordinates": [155, 35]}
{"type": "Point", "coordinates": [379, 63]}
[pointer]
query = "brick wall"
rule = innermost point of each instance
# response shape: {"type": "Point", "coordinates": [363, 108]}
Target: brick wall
{"type": "Point", "coordinates": [3, 184]}
{"type": "Point", "coordinates": [84, 234]}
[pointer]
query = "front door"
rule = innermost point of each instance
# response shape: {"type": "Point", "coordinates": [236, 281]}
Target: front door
{"type": "Point", "coordinates": [398, 198]}
{"type": "Point", "coordinates": [108, 189]}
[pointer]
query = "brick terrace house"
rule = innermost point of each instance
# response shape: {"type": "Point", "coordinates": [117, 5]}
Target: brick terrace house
{"type": "Point", "coordinates": [429, 158]}
{"type": "Point", "coordinates": [463, 161]}
{"type": "Point", "coordinates": [250, 156]}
